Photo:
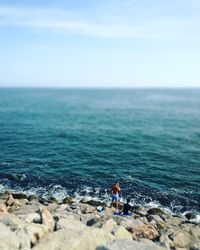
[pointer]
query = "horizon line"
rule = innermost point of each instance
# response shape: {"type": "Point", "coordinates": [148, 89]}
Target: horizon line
{"type": "Point", "coordinates": [98, 87]}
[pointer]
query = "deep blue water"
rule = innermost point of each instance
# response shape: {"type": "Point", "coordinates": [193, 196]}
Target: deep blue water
{"type": "Point", "coordinates": [80, 141]}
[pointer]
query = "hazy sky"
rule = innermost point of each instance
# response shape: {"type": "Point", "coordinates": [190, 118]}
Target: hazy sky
{"type": "Point", "coordinates": [100, 43]}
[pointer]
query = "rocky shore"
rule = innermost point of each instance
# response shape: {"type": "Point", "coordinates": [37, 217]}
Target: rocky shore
{"type": "Point", "coordinates": [29, 222]}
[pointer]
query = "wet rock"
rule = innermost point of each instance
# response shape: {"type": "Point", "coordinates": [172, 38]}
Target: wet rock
{"type": "Point", "coordinates": [8, 239]}
{"type": "Point", "coordinates": [5, 194]}
{"type": "Point", "coordinates": [141, 211]}
{"type": "Point", "coordinates": [68, 200]}
{"type": "Point", "coordinates": [74, 206]}
{"type": "Point", "coordinates": [84, 200]}
{"type": "Point", "coordinates": [135, 208]}
{"type": "Point", "coordinates": [94, 203]}
{"type": "Point", "coordinates": [53, 200]}
{"type": "Point", "coordinates": [32, 198]}
{"type": "Point", "coordinates": [190, 216]}
{"type": "Point", "coordinates": [155, 211]}
{"type": "Point", "coordinates": [46, 218]}
{"type": "Point", "coordinates": [43, 201]}
{"type": "Point", "coordinates": [19, 196]}
{"type": "Point", "coordinates": [144, 231]}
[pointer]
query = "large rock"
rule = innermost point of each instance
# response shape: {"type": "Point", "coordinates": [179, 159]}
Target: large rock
{"type": "Point", "coordinates": [52, 207]}
{"type": "Point", "coordinates": [3, 209]}
{"type": "Point", "coordinates": [87, 239]}
{"type": "Point", "coordinates": [129, 245]}
{"type": "Point", "coordinates": [194, 245]}
{"type": "Point", "coordinates": [4, 196]}
{"type": "Point", "coordinates": [144, 231]}
{"type": "Point", "coordinates": [90, 219]}
{"type": "Point", "coordinates": [43, 201]}
{"type": "Point", "coordinates": [59, 240]}
{"type": "Point", "coordinates": [95, 203]}
{"type": "Point", "coordinates": [157, 221]}
{"type": "Point", "coordinates": [47, 218]}
{"type": "Point", "coordinates": [86, 209]}
{"type": "Point", "coordinates": [128, 222]}
{"type": "Point", "coordinates": [109, 225]}
{"type": "Point", "coordinates": [53, 200]}
{"type": "Point", "coordinates": [61, 211]}
{"type": "Point", "coordinates": [19, 196]}
{"type": "Point", "coordinates": [29, 234]}
{"type": "Point", "coordinates": [10, 220]}
{"type": "Point", "coordinates": [181, 239]}
{"type": "Point", "coordinates": [10, 200]}
{"type": "Point", "coordinates": [30, 208]}
{"type": "Point", "coordinates": [8, 239]}
{"type": "Point", "coordinates": [24, 239]}
{"type": "Point", "coordinates": [157, 218]}
{"type": "Point", "coordinates": [12, 204]}
{"type": "Point", "coordinates": [195, 231]}
{"type": "Point", "coordinates": [92, 237]}
{"type": "Point", "coordinates": [121, 233]}
{"type": "Point", "coordinates": [140, 211]}
{"type": "Point", "coordinates": [156, 211]}
{"type": "Point", "coordinates": [190, 216]}
{"type": "Point", "coordinates": [32, 217]}
{"type": "Point", "coordinates": [173, 223]}
{"type": "Point", "coordinates": [33, 198]}
{"type": "Point", "coordinates": [190, 228]}
{"type": "Point", "coordinates": [68, 200]}
{"type": "Point", "coordinates": [70, 223]}
{"type": "Point", "coordinates": [166, 242]}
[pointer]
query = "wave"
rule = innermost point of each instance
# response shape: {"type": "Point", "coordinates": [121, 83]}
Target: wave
{"type": "Point", "coordinates": [60, 192]}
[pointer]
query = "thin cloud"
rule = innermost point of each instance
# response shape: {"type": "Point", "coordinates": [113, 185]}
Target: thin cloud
{"type": "Point", "coordinates": [57, 20]}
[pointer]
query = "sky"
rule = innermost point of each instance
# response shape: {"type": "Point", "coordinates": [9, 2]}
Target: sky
{"type": "Point", "coordinates": [100, 43]}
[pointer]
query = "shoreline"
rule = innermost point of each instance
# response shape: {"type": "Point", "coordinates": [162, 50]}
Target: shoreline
{"type": "Point", "coordinates": [32, 222]}
{"type": "Point", "coordinates": [59, 193]}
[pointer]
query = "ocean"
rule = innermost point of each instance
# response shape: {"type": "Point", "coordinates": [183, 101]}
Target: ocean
{"type": "Point", "coordinates": [59, 142]}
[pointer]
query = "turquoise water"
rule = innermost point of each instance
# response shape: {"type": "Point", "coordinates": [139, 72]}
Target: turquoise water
{"type": "Point", "coordinates": [80, 141]}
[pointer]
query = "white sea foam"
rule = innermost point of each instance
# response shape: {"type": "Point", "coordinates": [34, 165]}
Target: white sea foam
{"type": "Point", "coordinates": [60, 192]}
{"type": "Point", "coordinates": [2, 188]}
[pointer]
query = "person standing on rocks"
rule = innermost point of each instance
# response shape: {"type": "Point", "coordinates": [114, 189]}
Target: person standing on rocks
{"type": "Point", "coordinates": [115, 194]}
